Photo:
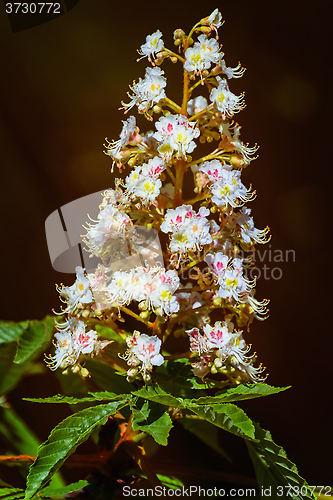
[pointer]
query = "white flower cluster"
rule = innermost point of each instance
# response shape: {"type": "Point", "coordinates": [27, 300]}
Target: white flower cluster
{"type": "Point", "coordinates": [155, 286]}
{"type": "Point", "coordinates": [210, 227]}
{"type": "Point", "coordinates": [142, 354]}
{"type": "Point", "coordinates": [223, 350]}
{"type": "Point", "coordinates": [188, 229]}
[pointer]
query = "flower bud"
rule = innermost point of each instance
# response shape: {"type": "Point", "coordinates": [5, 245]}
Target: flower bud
{"type": "Point", "coordinates": [173, 59]}
{"type": "Point", "coordinates": [143, 305]}
{"type": "Point", "coordinates": [213, 370]}
{"type": "Point", "coordinates": [157, 109]}
{"type": "Point", "coordinates": [144, 314]}
{"type": "Point", "coordinates": [237, 161]}
{"type": "Point", "coordinates": [178, 34]}
{"type": "Point", "coordinates": [217, 301]}
{"type": "Point", "coordinates": [76, 368]}
{"type": "Point", "coordinates": [218, 363]}
{"type": "Point", "coordinates": [85, 313]}
{"type": "Point", "coordinates": [205, 29]}
{"type": "Point", "coordinates": [146, 378]}
{"type": "Point", "coordinates": [131, 374]}
{"type": "Point", "coordinates": [216, 70]}
{"type": "Point", "coordinates": [158, 311]}
{"type": "Point", "coordinates": [233, 361]}
{"type": "Point", "coordinates": [132, 161]}
{"type": "Point", "coordinates": [205, 73]}
{"type": "Point", "coordinates": [85, 373]}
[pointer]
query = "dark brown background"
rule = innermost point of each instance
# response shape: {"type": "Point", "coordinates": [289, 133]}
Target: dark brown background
{"type": "Point", "coordinates": [61, 85]}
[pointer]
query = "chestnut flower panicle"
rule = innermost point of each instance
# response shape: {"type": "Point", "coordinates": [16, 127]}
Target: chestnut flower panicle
{"type": "Point", "coordinates": [191, 272]}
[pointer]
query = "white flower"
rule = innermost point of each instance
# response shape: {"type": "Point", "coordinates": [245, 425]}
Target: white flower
{"type": "Point", "coordinates": [128, 135]}
{"type": "Point", "coordinates": [153, 44]}
{"type": "Point", "coordinates": [154, 285]}
{"type": "Point", "coordinates": [176, 134]}
{"type": "Point", "coordinates": [220, 343]}
{"type": "Point", "coordinates": [214, 20]}
{"type": "Point", "coordinates": [112, 225]}
{"type": "Point", "coordinates": [189, 229]}
{"type": "Point", "coordinates": [249, 233]}
{"type": "Point", "coordinates": [234, 143]}
{"type": "Point", "coordinates": [143, 352]}
{"type": "Point", "coordinates": [72, 341]}
{"type": "Point", "coordinates": [147, 91]}
{"type": "Point", "coordinates": [236, 72]}
{"type": "Point", "coordinates": [196, 105]}
{"type": "Point", "coordinates": [226, 102]}
{"type": "Point", "coordinates": [195, 59]}
{"type": "Point", "coordinates": [144, 182]}
{"type": "Point", "coordinates": [210, 49]}
{"type": "Point", "coordinates": [229, 189]}
{"type": "Point", "coordinates": [229, 274]}
{"type": "Point", "coordinates": [79, 293]}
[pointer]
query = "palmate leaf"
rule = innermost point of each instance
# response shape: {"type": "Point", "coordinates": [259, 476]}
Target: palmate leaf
{"type": "Point", "coordinates": [239, 393]}
{"type": "Point", "coordinates": [34, 338]}
{"type": "Point", "coordinates": [274, 470]}
{"type": "Point", "coordinates": [227, 416]}
{"type": "Point", "coordinates": [63, 441]}
{"type": "Point", "coordinates": [151, 418]}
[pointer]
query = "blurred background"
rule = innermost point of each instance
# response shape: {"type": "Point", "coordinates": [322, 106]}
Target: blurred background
{"type": "Point", "coordinates": [61, 87]}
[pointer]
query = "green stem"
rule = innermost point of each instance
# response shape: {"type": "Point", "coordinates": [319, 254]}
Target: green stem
{"type": "Point", "coordinates": [136, 316]}
{"type": "Point", "coordinates": [180, 166]}
{"type": "Point", "coordinates": [172, 105]}
{"type": "Point", "coordinates": [200, 197]}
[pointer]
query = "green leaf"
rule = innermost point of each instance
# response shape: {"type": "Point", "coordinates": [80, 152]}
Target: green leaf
{"type": "Point", "coordinates": [10, 331]}
{"type": "Point", "coordinates": [170, 481]}
{"type": "Point", "coordinates": [206, 432]}
{"type": "Point", "coordinates": [80, 398]}
{"type": "Point", "coordinates": [240, 392]}
{"type": "Point", "coordinates": [11, 493]}
{"type": "Point", "coordinates": [155, 393]}
{"type": "Point", "coordinates": [151, 418]}
{"type": "Point", "coordinates": [63, 441]}
{"type": "Point", "coordinates": [227, 416]}
{"type": "Point", "coordinates": [61, 492]}
{"type": "Point", "coordinates": [109, 334]}
{"type": "Point", "coordinates": [34, 338]}
{"type": "Point", "coordinates": [10, 373]}
{"type": "Point", "coordinates": [274, 470]}
{"type": "Point", "coordinates": [105, 378]}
